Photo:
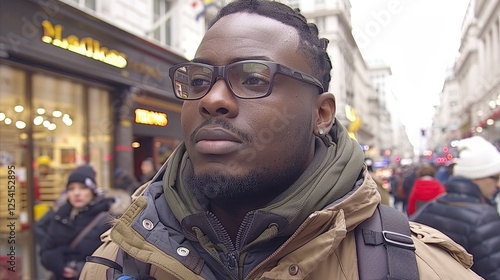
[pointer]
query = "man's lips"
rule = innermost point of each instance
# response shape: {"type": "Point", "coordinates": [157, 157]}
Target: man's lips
{"type": "Point", "coordinates": [216, 141]}
{"type": "Point", "coordinates": [215, 134]}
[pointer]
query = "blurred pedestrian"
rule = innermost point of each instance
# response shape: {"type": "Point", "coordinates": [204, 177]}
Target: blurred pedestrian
{"type": "Point", "coordinates": [425, 188]}
{"type": "Point", "coordinates": [148, 170]}
{"type": "Point", "coordinates": [384, 193]}
{"type": "Point", "coordinates": [409, 179]}
{"type": "Point", "coordinates": [73, 231]}
{"type": "Point", "coordinates": [466, 212]}
{"type": "Point", "coordinates": [396, 182]}
{"type": "Point", "coordinates": [124, 180]}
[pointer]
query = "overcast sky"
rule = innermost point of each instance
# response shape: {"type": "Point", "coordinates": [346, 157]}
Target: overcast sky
{"type": "Point", "coordinates": [419, 40]}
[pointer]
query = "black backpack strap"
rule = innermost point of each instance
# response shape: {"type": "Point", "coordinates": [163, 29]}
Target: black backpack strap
{"type": "Point", "coordinates": [125, 267]}
{"type": "Point", "coordinates": [135, 268]}
{"type": "Point", "coordinates": [396, 258]}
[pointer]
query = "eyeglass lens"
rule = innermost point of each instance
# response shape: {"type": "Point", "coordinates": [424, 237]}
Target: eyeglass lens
{"type": "Point", "coordinates": [246, 80]}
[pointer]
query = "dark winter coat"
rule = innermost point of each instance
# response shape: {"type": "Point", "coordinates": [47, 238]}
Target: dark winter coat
{"type": "Point", "coordinates": [465, 216]}
{"type": "Point", "coordinates": [56, 253]}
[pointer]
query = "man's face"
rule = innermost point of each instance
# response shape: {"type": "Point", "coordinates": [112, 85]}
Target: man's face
{"type": "Point", "coordinates": [488, 186]}
{"type": "Point", "coordinates": [266, 142]}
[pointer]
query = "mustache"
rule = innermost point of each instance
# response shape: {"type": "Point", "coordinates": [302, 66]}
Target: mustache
{"type": "Point", "coordinates": [224, 124]}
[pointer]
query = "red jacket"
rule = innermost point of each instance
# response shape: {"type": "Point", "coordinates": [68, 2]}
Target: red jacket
{"type": "Point", "coordinates": [424, 189]}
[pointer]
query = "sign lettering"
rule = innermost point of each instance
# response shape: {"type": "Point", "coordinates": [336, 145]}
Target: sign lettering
{"type": "Point", "coordinates": [89, 47]}
{"type": "Point", "coordinates": [143, 116]}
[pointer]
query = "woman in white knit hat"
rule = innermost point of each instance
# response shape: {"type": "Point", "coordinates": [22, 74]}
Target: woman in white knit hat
{"type": "Point", "coordinates": [467, 213]}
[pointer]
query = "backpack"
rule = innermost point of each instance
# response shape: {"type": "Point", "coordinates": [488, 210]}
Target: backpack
{"type": "Point", "coordinates": [384, 248]}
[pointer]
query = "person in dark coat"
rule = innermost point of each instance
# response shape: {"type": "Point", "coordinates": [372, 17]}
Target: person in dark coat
{"type": "Point", "coordinates": [409, 179]}
{"type": "Point", "coordinates": [124, 180]}
{"type": "Point", "coordinates": [466, 213]}
{"type": "Point", "coordinates": [84, 203]}
{"type": "Point", "coordinates": [148, 170]}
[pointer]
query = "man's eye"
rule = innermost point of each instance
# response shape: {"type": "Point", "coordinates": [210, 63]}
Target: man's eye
{"type": "Point", "coordinates": [255, 80]}
{"type": "Point", "coordinates": [196, 82]}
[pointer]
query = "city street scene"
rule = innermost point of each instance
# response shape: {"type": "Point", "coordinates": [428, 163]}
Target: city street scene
{"type": "Point", "coordinates": [118, 135]}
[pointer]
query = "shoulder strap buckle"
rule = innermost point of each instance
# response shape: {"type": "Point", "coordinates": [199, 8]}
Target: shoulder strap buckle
{"type": "Point", "coordinates": [398, 239]}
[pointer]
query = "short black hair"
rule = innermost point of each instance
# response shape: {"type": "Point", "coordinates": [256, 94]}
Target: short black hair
{"type": "Point", "coordinates": [310, 42]}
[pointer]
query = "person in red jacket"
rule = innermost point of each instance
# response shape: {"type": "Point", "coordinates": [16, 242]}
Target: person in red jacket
{"type": "Point", "coordinates": [425, 188]}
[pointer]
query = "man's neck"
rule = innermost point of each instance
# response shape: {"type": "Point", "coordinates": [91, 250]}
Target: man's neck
{"type": "Point", "coordinates": [231, 212]}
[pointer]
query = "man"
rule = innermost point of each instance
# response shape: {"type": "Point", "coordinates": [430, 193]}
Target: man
{"type": "Point", "coordinates": [267, 184]}
{"type": "Point", "coordinates": [467, 213]}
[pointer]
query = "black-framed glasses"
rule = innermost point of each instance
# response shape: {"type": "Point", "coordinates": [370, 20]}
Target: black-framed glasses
{"type": "Point", "coordinates": [248, 79]}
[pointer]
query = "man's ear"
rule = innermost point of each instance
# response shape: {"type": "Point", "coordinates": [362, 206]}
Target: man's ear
{"type": "Point", "coordinates": [325, 113]}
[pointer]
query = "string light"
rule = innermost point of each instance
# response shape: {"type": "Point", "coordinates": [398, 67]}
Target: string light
{"type": "Point", "coordinates": [19, 108]}
{"type": "Point", "coordinates": [20, 124]}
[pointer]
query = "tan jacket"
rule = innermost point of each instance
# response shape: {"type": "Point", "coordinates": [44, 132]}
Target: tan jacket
{"type": "Point", "coordinates": [306, 255]}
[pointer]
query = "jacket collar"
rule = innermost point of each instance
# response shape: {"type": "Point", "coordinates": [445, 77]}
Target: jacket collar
{"type": "Point", "coordinates": [462, 186]}
{"type": "Point", "coordinates": [158, 245]}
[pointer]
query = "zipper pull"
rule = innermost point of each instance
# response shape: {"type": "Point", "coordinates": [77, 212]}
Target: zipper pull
{"type": "Point", "coordinates": [232, 260]}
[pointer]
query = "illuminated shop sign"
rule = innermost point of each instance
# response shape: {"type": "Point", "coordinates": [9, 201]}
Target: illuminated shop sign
{"type": "Point", "coordinates": [87, 46]}
{"type": "Point", "coordinates": [143, 116]}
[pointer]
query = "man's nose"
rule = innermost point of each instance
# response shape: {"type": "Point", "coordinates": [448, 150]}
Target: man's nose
{"type": "Point", "coordinates": [219, 100]}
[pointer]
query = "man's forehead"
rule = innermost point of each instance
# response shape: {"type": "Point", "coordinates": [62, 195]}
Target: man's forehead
{"type": "Point", "coordinates": [248, 35]}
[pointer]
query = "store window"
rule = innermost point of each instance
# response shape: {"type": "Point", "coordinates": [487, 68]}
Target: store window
{"type": "Point", "coordinates": [49, 124]}
{"type": "Point", "coordinates": [58, 132]}
{"type": "Point", "coordinates": [13, 144]}
{"type": "Point", "coordinates": [90, 4]}
{"type": "Point", "coordinates": [70, 124]}
{"type": "Point", "coordinates": [162, 32]}
{"type": "Point", "coordinates": [100, 141]}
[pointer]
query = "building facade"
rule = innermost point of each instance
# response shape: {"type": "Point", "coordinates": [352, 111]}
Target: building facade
{"type": "Point", "coordinates": [362, 100]}
{"type": "Point", "coordinates": [470, 100]}
{"type": "Point", "coordinates": [74, 90]}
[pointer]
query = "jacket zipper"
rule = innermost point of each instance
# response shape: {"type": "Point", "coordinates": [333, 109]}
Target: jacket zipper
{"type": "Point", "coordinates": [282, 247]}
{"type": "Point", "coordinates": [232, 255]}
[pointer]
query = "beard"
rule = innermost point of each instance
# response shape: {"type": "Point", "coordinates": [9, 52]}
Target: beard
{"type": "Point", "coordinates": [260, 184]}
{"type": "Point", "coordinates": [257, 184]}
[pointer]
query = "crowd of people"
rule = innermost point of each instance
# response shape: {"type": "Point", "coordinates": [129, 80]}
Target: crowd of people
{"type": "Point", "coordinates": [229, 204]}
{"type": "Point", "coordinates": [458, 199]}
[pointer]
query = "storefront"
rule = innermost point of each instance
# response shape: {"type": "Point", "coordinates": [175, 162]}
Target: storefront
{"type": "Point", "coordinates": [70, 85]}
{"type": "Point", "coordinates": [489, 127]}
{"type": "Point", "coordinates": [156, 128]}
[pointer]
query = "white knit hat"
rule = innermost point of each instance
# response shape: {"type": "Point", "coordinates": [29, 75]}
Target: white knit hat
{"type": "Point", "coordinates": [478, 158]}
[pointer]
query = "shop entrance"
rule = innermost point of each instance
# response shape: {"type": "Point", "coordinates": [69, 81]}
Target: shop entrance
{"type": "Point", "coordinates": [143, 148]}
{"type": "Point", "coordinates": [156, 148]}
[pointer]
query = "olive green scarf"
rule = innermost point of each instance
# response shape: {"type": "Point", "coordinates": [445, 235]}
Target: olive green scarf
{"type": "Point", "coordinates": [336, 165]}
